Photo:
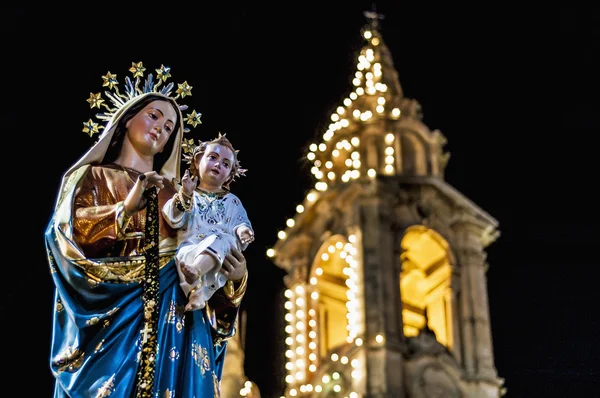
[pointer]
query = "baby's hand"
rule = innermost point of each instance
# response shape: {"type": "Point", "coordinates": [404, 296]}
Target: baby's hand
{"type": "Point", "coordinates": [245, 234]}
{"type": "Point", "coordinates": [188, 183]}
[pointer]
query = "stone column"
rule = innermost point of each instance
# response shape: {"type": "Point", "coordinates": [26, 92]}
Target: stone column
{"type": "Point", "coordinates": [381, 299]}
{"type": "Point", "coordinates": [478, 349]}
{"type": "Point", "coordinates": [457, 333]}
{"type": "Point", "coordinates": [468, 340]}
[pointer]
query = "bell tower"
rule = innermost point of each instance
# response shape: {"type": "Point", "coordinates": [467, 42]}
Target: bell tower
{"type": "Point", "coordinates": [386, 264]}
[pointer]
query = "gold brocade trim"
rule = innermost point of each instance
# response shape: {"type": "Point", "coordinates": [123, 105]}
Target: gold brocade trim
{"type": "Point", "coordinates": [216, 385]}
{"type": "Point", "coordinates": [150, 299]}
{"type": "Point", "coordinates": [69, 359]}
{"type": "Point", "coordinates": [211, 196]}
{"type": "Point", "coordinates": [224, 325]}
{"type": "Point", "coordinates": [120, 270]}
{"type": "Point", "coordinates": [122, 221]}
{"type": "Point", "coordinates": [225, 331]}
{"type": "Point", "coordinates": [236, 295]}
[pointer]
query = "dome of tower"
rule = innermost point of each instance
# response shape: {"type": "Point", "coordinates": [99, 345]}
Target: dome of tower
{"type": "Point", "coordinates": [376, 130]}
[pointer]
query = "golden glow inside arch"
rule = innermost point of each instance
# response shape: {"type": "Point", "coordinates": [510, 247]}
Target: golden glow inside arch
{"type": "Point", "coordinates": [425, 283]}
{"type": "Point", "coordinates": [330, 275]}
{"type": "Point", "coordinates": [323, 319]}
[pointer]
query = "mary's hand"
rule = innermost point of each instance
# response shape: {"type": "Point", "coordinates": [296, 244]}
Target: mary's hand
{"type": "Point", "coordinates": [234, 265]}
{"type": "Point", "coordinates": [135, 200]}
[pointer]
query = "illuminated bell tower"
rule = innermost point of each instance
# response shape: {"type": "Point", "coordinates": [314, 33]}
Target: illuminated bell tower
{"type": "Point", "coordinates": [386, 272]}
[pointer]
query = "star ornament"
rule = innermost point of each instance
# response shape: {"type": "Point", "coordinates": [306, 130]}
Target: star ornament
{"type": "Point", "coordinates": [193, 118]}
{"type": "Point", "coordinates": [95, 100]}
{"type": "Point", "coordinates": [90, 127]}
{"type": "Point", "coordinates": [188, 145]}
{"type": "Point", "coordinates": [137, 69]}
{"type": "Point", "coordinates": [184, 89]}
{"type": "Point", "coordinates": [113, 100]}
{"type": "Point", "coordinates": [163, 73]}
{"type": "Point", "coordinates": [110, 80]}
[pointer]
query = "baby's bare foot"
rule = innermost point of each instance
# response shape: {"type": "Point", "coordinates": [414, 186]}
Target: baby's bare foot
{"type": "Point", "coordinates": [190, 273]}
{"type": "Point", "coordinates": [195, 301]}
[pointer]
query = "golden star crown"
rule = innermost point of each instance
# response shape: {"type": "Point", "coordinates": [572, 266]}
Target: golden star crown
{"type": "Point", "coordinates": [116, 99]}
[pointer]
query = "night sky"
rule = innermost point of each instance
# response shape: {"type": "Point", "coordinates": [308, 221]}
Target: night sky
{"type": "Point", "coordinates": [514, 91]}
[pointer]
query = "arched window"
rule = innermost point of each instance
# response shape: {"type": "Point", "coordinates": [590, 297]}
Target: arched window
{"type": "Point", "coordinates": [425, 286]}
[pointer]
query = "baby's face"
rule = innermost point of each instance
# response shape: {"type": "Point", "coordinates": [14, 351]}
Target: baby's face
{"type": "Point", "coordinates": [215, 165]}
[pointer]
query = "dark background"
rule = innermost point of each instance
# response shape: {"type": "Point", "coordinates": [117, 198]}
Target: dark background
{"type": "Point", "coordinates": [515, 91]}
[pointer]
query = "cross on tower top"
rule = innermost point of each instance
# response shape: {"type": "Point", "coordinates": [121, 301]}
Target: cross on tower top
{"type": "Point", "coordinates": [373, 17]}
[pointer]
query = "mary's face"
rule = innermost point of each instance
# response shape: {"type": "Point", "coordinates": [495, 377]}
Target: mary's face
{"type": "Point", "coordinates": [150, 129]}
